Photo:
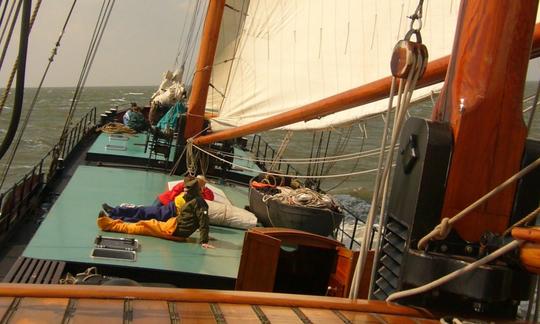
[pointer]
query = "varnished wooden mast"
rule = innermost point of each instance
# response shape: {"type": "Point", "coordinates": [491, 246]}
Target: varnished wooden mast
{"type": "Point", "coordinates": [201, 80]}
{"type": "Point", "coordinates": [482, 100]}
{"type": "Point", "coordinates": [362, 95]}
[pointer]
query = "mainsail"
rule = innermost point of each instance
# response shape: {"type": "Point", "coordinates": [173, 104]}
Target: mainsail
{"type": "Point", "coordinates": [275, 56]}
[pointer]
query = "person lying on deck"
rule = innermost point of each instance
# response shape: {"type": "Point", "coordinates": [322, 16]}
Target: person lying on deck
{"type": "Point", "coordinates": [169, 222]}
{"type": "Point", "coordinates": [170, 195]}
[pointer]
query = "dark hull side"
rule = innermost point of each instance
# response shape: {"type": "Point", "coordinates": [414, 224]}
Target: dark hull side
{"type": "Point", "coordinates": [273, 213]}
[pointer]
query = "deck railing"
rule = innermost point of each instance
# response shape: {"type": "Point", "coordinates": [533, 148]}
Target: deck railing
{"type": "Point", "coordinates": [264, 151]}
{"type": "Point", "coordinates": [77, 132]}
{"type": "Point", "coordinates": [19, 199]}
{"type": "Point", "coordinates": [346, 231]}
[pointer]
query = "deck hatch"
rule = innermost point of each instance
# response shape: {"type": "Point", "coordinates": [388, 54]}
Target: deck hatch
{"type": "Point", "coordinates": [113, 254]}
{"type": "Point", "coordinates": [117, 243]}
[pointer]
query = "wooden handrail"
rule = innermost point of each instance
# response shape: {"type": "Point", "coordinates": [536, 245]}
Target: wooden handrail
{"type": "Point", "coordinates": [199, 295]}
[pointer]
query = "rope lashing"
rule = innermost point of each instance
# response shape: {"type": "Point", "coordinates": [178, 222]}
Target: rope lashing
{"type": "Point", "coordinates": [435, 233]}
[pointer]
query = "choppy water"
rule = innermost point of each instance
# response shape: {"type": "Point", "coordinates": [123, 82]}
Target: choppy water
{"type": "Point", "coordinates": [53, 104]}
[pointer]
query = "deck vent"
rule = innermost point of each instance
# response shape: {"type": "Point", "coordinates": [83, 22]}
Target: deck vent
{"type": "Point", "coordinates": [393, 247]}
{"type": "Point", "coordinates": [121, 248]}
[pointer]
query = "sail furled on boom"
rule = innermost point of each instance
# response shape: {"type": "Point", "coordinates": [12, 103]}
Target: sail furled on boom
{"type": "Point", "coordinates": [291, 53]}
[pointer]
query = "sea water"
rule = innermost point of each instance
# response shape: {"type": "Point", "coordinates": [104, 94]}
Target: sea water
{"type": "Point", "coordinates": [52, 105]}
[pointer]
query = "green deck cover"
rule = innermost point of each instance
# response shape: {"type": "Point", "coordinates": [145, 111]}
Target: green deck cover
{"type": "Point", "coordinates": [134, 146]}
{"type": "Point", "coordinates": [68, 231]}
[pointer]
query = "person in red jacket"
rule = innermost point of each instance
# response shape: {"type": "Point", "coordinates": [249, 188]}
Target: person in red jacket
{"type": "Point", "coordinates": [169, 195]}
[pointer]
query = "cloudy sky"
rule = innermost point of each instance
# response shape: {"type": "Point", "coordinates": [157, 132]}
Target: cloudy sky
{"type": "Point", "coordinates": [140, 42]}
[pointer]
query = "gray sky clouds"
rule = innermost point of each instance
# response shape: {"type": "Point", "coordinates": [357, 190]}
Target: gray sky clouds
{"type": "Point", "coordinates": [140, 42]}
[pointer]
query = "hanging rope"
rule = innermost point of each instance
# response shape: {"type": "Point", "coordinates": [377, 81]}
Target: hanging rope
{"type": "Point", "coordinates": [407, 69]}
{"type": "Point", "coordinates": [7, 89]}
{"type": "Point", "coordinates": [13, 17]}
{"type": "Point", "coordinates": [36, 95]}
{"type": "Point", "coordinates": [17, 108]}
{"type": "Point", "coordinates": [2, 16]}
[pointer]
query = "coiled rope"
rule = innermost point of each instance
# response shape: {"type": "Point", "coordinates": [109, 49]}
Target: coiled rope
{"type": "Point", "coordinates": [116, 128]}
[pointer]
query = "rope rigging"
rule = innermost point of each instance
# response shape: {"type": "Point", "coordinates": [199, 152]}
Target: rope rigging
{"type": "Point", "coordinates": [99, 29]}
{"type": "Point", "coordinates": [13, 17]}
{"type": "Point", "coordinates": [4, 50]}
{"type": "Point", "coordinates": [36, 95]}
{"type": "Point", "coordinates": [2, 16]}
{"type": "Point", "coordinates": [190, 161]}
{"type": "Point", "coordinates": [19, 68]}
{"type": "Point", "coordinates": [408, 63]}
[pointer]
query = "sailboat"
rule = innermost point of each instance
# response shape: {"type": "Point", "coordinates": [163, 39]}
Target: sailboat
{"type": "Point", "coordinates": [492, 39]}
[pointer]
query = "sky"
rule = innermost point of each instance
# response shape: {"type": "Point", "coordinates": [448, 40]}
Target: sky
{"type": "Point", "coordinates": [139, 45]}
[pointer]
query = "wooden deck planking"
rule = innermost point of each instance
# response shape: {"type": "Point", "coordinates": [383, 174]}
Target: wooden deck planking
{"type": "Point", "coordinates": [40, 310]}
{"type": "Point", "coordinates": [90, 310]}
{"type": "Point", "coordinates": [195, 313]}
{"type": "Point", "coordinates": [151, 312]}
{"type": "Point", "coordinates": [278, 314]}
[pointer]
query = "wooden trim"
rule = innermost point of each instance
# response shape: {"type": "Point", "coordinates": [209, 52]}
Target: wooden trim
{"type": "Point", "coordinates": [203, 71]}
{"type": "Point", "coordinates": [297, 237]}
{"type": "Point", "coordinates": [482, 101]}
{"type": "Point", "coordinates": [208, 296]}
{"type": "Point", "coordinates": [530, 234]}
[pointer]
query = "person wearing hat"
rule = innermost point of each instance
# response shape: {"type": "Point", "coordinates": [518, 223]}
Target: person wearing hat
{"type": "Point", "coordinates": [191, 216]}
{"type": "Point", "coordinates": [170, 195]}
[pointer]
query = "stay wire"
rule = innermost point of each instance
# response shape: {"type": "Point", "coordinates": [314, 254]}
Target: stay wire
{"type": "Point", "coordinates": [13, 18]}
{"type": "Point", "coordinates": [4, 50]}
{"type": "Point", "coordinates": [17, 109]}
{"type": "Point", "coordinates": [34, 100]}
{"type": "Point", "coordinates": [182, 34]}
{"type": "Point", "coordinates": [4, 14]}
{"type": "Point", "coordinates": [83, 70]}
{"type": "Point", "coordinates": [100, 27]}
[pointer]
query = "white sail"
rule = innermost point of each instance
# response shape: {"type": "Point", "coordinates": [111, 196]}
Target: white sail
{"type": "Point", "coordinates": [294, 52]}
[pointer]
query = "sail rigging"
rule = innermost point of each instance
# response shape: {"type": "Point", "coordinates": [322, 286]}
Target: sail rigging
{"type": "Point", "coordinates": [290, 53]}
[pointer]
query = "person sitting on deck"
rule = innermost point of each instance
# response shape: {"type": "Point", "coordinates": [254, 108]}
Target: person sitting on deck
{"type": "Point", "coordinates": [127, 114]}
{"type": "Point", "coordinates": [174, 224]}
{"type": "Point", "coordinates": [170, 195]}
{"type": "Point", "coordinates": [136, 120]}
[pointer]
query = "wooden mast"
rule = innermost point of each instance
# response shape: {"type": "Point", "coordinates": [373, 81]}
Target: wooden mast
{"type": "Point", "coordinates": [207, 51]}
{"type": "Point", "coordinates": [377, 90]}
{"type": "Point", "coordinates": [482, 100]}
